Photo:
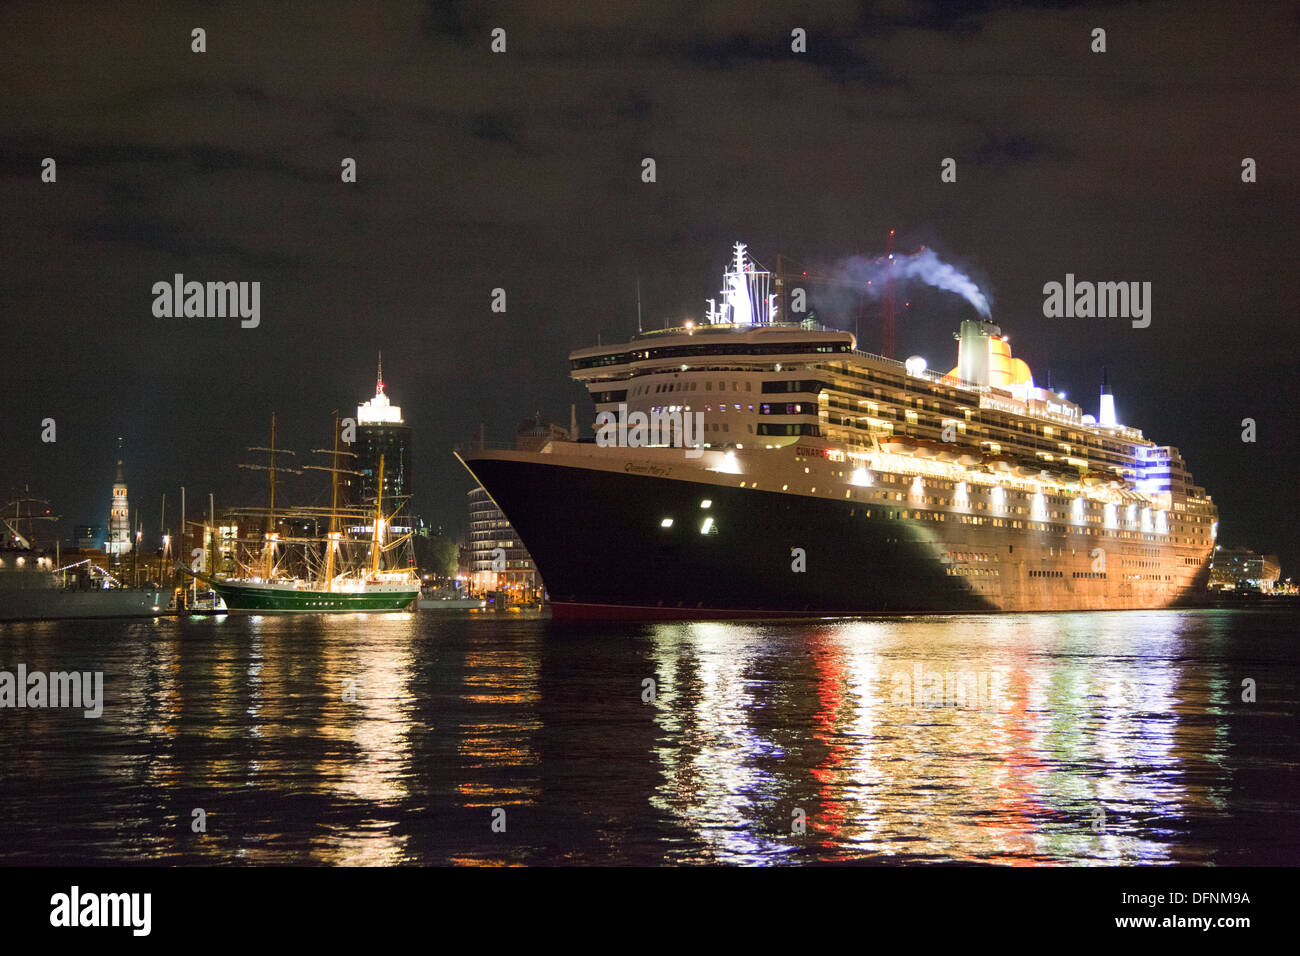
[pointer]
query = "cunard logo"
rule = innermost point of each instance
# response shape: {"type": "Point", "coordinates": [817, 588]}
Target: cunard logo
{"type": "Point", "coordinates": [661, 429]}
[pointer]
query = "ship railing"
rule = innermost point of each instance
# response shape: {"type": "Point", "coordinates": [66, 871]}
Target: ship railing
{"type": "Point", "coordinates": [929, 374]}
{"type": "Point", "coordinates": [469, 447]}
{"type": "Point", "coordinates": [473, 446]}
{"type": "Point", "coordinates": [706, 328]}
{"type": "Point", "coordinates": [879, 358]}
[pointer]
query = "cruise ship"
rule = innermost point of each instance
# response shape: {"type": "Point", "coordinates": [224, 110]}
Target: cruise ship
{"type": "Point", "coordinates": [790, 474]}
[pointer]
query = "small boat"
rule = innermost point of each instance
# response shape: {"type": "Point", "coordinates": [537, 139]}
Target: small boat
{"type": "Point", "coordinates": [429, 602]}
{"type": "Point", "coordinates": [207, 602]}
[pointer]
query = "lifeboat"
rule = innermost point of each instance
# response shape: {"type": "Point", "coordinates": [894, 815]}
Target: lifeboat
{"type": "Point", "coordinates": [949, 454]}
{"type": "Point", "coordinates": [1026, 471]}
{"type": "Point", "coordinates": [999, 462]}
{"type": "Point", "coordinates": [969, 460]}
{"type": "Point", "coordinates": [898, 446]}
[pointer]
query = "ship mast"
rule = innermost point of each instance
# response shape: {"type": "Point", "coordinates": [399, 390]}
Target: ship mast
{"type": "Point", "coordinates": [267, 548]}
{"type": "Point", "coordinates": [20, 524]}
{"type": "Point", "coordinates": [268, 544]}
{"type": "Point", "coordinates": [334, 536]}
{"type": "Point", "coordinates": [334, 508]}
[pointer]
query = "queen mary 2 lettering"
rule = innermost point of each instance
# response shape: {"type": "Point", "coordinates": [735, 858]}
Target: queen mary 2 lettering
{"type": "Point", "coordinates": [832, 482]}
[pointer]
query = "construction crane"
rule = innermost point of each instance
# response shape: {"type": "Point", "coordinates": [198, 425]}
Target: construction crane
{"type": "Point", "coordinates": [887, 334]}
{"type": "Point", "coordinates": [783, 278]}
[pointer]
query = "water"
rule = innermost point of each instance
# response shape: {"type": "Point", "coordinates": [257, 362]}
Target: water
{"type": "Point", "coordinates": [1067, 738]}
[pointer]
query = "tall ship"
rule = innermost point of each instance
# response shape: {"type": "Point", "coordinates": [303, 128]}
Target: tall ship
{"type": "Point", "coordinates": [351, 567]}
{"type": "Point", "coordinates": [748, 466]}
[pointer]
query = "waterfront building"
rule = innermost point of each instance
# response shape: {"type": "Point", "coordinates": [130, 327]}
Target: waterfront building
{"type": "Point", "coordinates": [87, 537]}
{"type": "Point", "coordinates": [382, 432]}
{"type": "Point", "coordinates": [1240, 569]}
{"type": "Point", "coordinates": [498, 560]}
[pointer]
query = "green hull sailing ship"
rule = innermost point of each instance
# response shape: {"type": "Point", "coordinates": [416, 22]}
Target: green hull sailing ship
{"type": "Point", "coordinates": [279, 597]}
{"type": "Point", "coordinates": [336, 584]}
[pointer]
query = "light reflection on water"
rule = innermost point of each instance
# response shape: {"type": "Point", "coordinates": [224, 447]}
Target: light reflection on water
{"type": "Point", "coordinates": [373, 740]}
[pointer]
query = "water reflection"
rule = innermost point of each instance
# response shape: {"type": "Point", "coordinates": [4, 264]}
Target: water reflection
{"type": "Point", "coordinates": [1080, 753]}
{"type": "Point", "coordinates": [1036, 739]}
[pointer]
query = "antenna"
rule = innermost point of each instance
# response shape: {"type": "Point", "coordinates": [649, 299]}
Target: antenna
{"type": "Point", "coordinates": [638, 305]}
{"type": "Point", "coordinates": [778, 282]}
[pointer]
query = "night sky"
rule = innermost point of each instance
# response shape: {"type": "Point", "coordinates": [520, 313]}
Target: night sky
{"type": "Point", "coordinates": [522, 170]}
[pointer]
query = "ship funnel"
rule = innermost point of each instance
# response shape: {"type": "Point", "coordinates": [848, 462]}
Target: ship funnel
{"type": "Point", "coordinates": [973, 350]}
{"type": "Point", "coordinates": [1106, 411]}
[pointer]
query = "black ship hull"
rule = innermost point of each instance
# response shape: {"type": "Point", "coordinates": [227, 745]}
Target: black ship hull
{"type": "Point", "coordinates": [600, 545]}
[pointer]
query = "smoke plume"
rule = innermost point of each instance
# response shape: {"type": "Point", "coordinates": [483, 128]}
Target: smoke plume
{"type": "Point", "coordinates": [923, 266]}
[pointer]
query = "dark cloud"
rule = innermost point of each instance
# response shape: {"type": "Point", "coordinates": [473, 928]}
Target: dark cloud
{"type": "Point", "coordinates": [522, 171]}
{"type": "Point", "coordinates": [997, 150]}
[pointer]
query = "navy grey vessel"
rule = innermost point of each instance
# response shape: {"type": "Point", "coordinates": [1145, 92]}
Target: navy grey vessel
{"type": "Point", "coordinates": [31, 589]}
{"type": "Point", "coordinates": [34, 587]}
{"type": "Point", "coordinates": [747, 466]}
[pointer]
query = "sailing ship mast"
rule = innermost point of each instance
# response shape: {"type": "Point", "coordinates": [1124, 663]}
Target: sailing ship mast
{"type": "Point", "coordinates": [335, 537]}
{"type": "Point", "coordinates": [334, 510]}
{"type": "Point", "coordinates": [20, 524]}
{"type": "Point", "coordinates": [268, 544]}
